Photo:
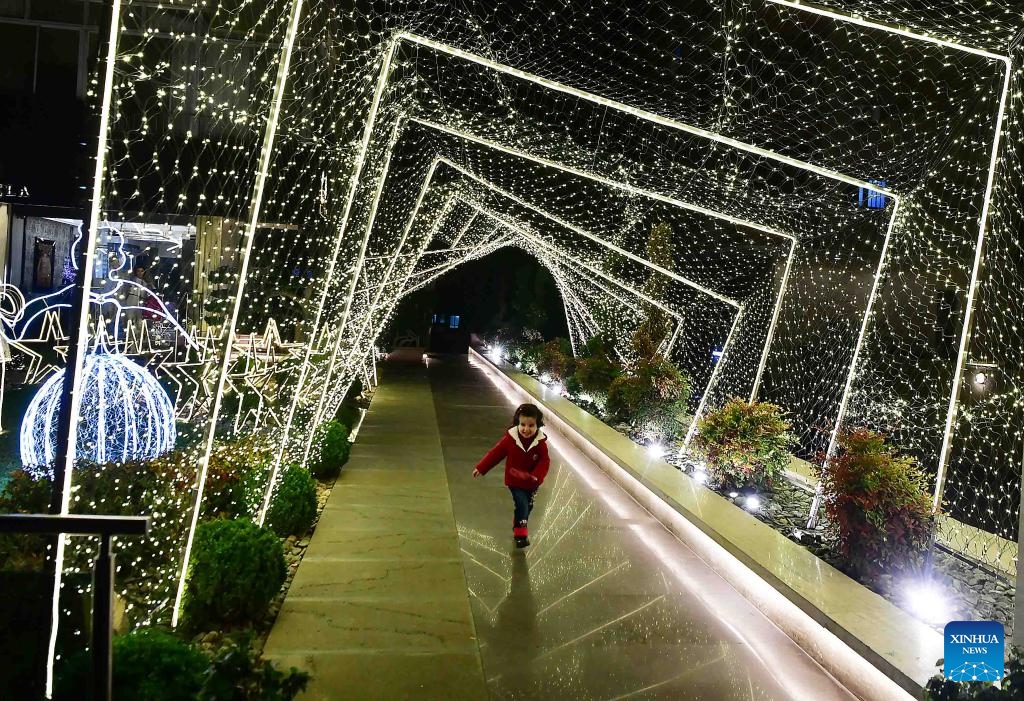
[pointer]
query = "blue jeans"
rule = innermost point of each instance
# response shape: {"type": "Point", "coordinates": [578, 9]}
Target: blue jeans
{"type": "Point", "coordinates": [523, 500]}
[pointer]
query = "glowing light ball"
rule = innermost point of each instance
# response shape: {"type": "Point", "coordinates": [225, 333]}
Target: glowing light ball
{"type": "Point", "coordinates": [125, 415]}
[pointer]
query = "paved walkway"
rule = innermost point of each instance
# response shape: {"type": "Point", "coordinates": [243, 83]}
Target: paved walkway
{"type": "Point", "coordinates": [606, 604]}
{"type": "Point", "coordinates": [379, 607]}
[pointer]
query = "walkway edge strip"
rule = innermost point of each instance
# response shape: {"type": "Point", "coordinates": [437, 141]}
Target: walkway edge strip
{"type": "Point", "coordinates": [872, 647]}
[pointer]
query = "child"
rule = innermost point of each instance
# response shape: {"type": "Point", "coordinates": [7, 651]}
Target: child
{"type": "Point", "coordinates": [525, 450]}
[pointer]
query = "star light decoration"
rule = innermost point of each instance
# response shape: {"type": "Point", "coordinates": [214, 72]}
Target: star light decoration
{"type": "Point", "coordinates": [764, 134]}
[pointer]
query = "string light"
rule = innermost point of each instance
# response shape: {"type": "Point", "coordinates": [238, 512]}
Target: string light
{"type": "Point", "coordinates": [125, 415]}
{"type": "Point", "coordinates": [840, 207]}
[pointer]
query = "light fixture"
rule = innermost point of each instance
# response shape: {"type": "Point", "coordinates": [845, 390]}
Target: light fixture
{"type": "Point", "coordinates": [927, 601]}
{"type": "Point", "coordinates": [980, 378]}
{"type": "Point", "coordinates": [656, 450]}
{"type": "Point", "coordinates": [752, 503]}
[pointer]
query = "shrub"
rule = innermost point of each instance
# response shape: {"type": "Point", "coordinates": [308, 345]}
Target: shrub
{"type": "Point", "coordinates": [572, 386]}
{"type": "Point", "coordinates": [238, 674]}
{"type": "Point", "coordinates": [148, 663]}
{"type": "Point", "coordinates": [161, 488]}
{"type": "Point", "coordinates": [555, 359]}
{"type": "Point", "coordinates": [236, 477]}
{"type": "Point", "coordinates": [224, 491]}
{"type": "Point", "coordinates": [332, 443]}
{"type": "Point", "coordinates": [1011, 686]}
{"type": "Point", "coordinates": [237, 568]}
{"type": "Point", "coordinates": [877, 504]}
{"type": "Point", "coordinates": [650, 397]}
{"type": "Point", "coordinates": [24, 494]}
{"type": "Point", "coordinates": [596, 347]}
{"type": "Point", "coordinates": [745, 444]}
{"type": "Point", "coordinates": [293, 508]}
{"type": "Point", "coordinates": [529, 356]}
{"type": "Point", "coordinates": [595, 374]}
{"type": "Point", "coordinates": [626, 396]}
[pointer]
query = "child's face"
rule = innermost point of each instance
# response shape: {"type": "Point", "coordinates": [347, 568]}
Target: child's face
{"type": "Point", "coordinates": [527, 426]}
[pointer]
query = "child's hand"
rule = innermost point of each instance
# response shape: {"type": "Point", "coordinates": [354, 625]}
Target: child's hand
{"type": "Point", "coordinates": [476, 473]}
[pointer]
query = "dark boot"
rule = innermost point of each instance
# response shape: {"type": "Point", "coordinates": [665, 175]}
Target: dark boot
{"type": "Point", "coordinates": [522, 541]}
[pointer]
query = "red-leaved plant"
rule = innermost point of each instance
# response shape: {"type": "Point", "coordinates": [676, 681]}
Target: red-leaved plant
{"type": "Point", "coordinates": [877, 504]}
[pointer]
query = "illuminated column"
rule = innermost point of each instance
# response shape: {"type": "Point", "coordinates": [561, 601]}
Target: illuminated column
{"type": "Point", "coordinates": [72, 392]}
{"type": "Point", "coordinates": [266, 153]}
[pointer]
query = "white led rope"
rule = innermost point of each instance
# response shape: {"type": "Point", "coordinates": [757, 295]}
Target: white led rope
{"type": "Point", "coordinates": [83, 331]}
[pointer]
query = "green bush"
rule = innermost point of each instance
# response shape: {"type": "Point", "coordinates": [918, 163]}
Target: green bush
{"type": "Point", "coordinates": [333, 448]}
{"type": "Point", "coordinates": [596, 347]}
{"type": "Point", "coordinates": [236, 476]}
{"type": "Point", "coordinates": [877, 503]}
{"type": "Point", "coordinates": [529, 357]}
{"type": "Point", "coordinates": [237, 568]}
{"type": "Point", "coordinates": [148, 663]}
{"type": "Point", "coordinates": [1011, 687]}
{"type": "Point", "coordinates": [24, 494]}
{"type": "Point", "coordinates": [555, 359]}
{"type": "Point", "coordinates": [626, 396]}
{"type": "Point", "coordinates": [293, 508]}
{"type": "Point", "coordinates": [596, 374]}
{"type": "Point", "coordinates": [745, 444]}
{"type": "Point", "coordinates": [650, 397]}
{"type": "Point", "coordinates": [238, 674]}
{"type": "Point", "coordinates": [154, 665]}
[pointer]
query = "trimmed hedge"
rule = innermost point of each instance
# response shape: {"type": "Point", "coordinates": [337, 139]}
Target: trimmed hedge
{"type": "Point", "coordinates": [149, 664]}
{"type": "Point", "coordinates": [293, 508]}
{"type": "Point", "coordinates": [237, 568]}
{"type": "Point", "coordinates": [334, 448]}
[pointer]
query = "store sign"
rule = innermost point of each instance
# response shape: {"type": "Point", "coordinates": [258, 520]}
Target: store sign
{"type": "Point", "coordinates": [9, 190]}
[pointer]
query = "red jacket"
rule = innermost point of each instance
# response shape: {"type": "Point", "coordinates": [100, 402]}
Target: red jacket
{"type": "Point", "coordinates": [524, 469]}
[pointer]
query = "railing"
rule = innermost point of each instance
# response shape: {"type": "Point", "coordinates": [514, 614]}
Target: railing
{"type": "Point", "coordinates": [103, 576]}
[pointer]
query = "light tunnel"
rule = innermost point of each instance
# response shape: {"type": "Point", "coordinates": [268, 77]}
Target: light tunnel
{"type": "Point", "coordinates": [830, 216]}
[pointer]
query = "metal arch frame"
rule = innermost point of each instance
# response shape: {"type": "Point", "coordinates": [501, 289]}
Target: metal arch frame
{"type": "Point", "coordinates": [966, 328]}
{"type": "Point", "coordinates": [725, 349]}
{"type": "Point", "coordinates": [388, 58]}
{"type": "Point", "coordinates": [587, 235]}
{"type": "Point", "coordinates": [657, 268]}
{"type": "Point", "coordinates": [437, 160]}
{"type": "Point", "coordinates": [965, 336]}
{"type": "Point", "coordinates": [372, 218]}
{"type": "Point", "coordinates": [629, 188]}
{"type": "Point", "coordinates": [355, 347]}
{"type": "Point", "coordinates": [613, 183]}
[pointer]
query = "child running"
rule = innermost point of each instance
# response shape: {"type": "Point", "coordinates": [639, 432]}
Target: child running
{"type": "Point", "coordinates": [525, 451]}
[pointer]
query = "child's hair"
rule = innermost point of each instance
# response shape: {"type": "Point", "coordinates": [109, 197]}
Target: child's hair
{"type": "Point", "coordinates": [530, 410]}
